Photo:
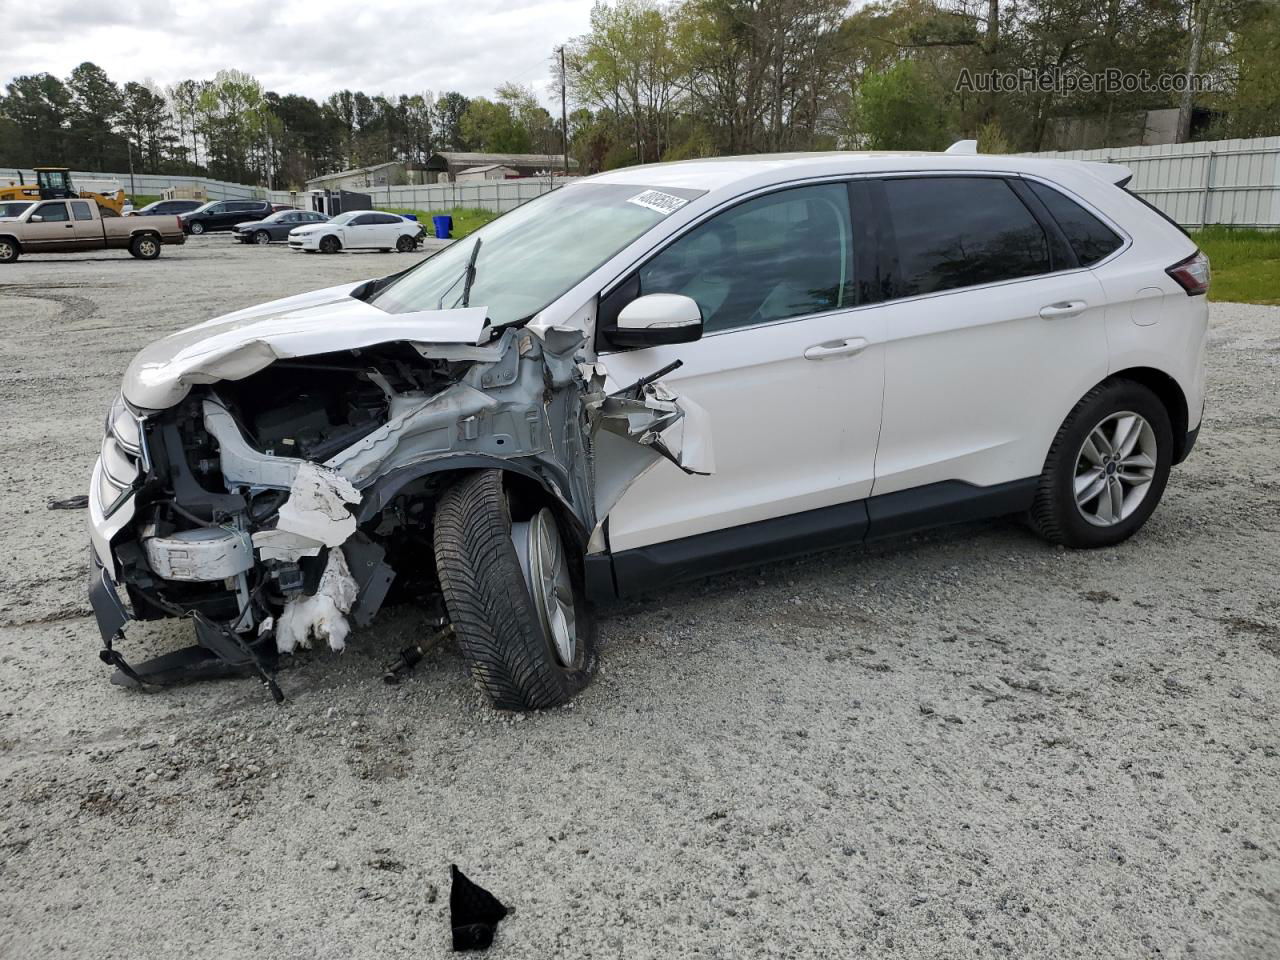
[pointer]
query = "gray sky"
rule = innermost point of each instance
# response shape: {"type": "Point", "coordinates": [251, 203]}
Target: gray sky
{"type": "Point", "coordinates": [311, 47]}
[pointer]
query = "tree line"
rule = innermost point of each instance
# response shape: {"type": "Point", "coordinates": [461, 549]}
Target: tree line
{"type": "Point", "coordinates": [693, 78]}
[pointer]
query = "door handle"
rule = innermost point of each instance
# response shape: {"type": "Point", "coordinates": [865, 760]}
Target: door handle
{"type": "Point", "coordinates": [69, 226]}
{"type": "Point", "coordinates": [1064, 308]}
{"type": "Point", "coordinates": [836, 348]}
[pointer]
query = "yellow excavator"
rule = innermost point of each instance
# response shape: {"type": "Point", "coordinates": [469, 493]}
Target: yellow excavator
{"type": "Point", "coordinates": [54, 183]}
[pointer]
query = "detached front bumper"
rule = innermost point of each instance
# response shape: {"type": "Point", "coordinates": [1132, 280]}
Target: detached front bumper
{"type": "Point", "coordinates": [307, 242]}
{"type": "Point", "coordinates": [104, 598]}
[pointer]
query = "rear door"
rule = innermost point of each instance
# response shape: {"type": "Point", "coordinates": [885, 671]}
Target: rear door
{"type": "Point", "coordinates": [389, 228]}
{"type": "Point", "coordinates": [993, 331]}
{"type": "Point", "coordinates": [55, 229]}
{"type": "Point", "coordinates": [88, 229]}
{"type": "Point", "coordinates": [790, 367]}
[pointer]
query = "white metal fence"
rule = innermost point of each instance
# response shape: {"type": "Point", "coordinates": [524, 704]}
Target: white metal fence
{"type": "Point", "coordinates": [496, 195]}
{"type": "Point", "coordinates": [1233, 182]}
{"type": "Point", "coordinates": [1222, 181]}
{"type": "Point", "coordinates": [149, 184]}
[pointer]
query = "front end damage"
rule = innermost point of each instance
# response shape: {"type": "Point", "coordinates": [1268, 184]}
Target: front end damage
{"type": "Point", "coordinates": [278, 494]}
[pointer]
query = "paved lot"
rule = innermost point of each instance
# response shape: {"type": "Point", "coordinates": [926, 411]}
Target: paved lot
{"type": "Point", "coordinates": [962, 744]}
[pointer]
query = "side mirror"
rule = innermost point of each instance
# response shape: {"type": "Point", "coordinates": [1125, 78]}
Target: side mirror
{"type": "Point", "coordinates": [656, 319]}
{"type": "Point", "coordinates": [36, 218]}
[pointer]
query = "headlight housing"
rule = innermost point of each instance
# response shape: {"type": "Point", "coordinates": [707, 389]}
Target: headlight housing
{"type": "Point", "coordinates": [123, 456]}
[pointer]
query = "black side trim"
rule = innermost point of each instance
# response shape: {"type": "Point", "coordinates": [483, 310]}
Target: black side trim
{"type": "Point", "coordinates": [678, 561]}
{"type": "Point", "coordinates": [951, 501]}
{"type": "Point", "coordinates": [891, 514]}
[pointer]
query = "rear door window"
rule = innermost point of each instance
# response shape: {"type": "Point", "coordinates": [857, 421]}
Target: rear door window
{"type": "Point", "coordinates": [1090, 238]}
{"type": "Point", "coordinates": [80, 209]}
{"type": "Point", "coordinates": [779, 256]}
{"type": "Point", "coordinates": [954, 232]}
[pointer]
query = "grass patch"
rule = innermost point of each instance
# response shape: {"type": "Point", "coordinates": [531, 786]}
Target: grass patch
{"type": "Point", "coordinates": [465, 219]}
{"type": "Point", "coordinates": [1246, 263]}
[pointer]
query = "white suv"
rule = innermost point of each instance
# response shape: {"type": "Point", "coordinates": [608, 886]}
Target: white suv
{"type": "Point", "coordinates": [876, 342]}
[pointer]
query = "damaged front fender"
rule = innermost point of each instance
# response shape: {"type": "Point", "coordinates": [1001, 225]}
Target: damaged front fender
{"type": "Point", "coordinates": [285, 475]}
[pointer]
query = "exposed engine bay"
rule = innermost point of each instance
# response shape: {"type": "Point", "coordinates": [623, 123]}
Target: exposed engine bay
{"type": "Point", "coordinates": [276, 508]}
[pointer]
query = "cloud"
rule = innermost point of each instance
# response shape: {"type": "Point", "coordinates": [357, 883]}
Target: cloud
{"type": "Point", "coordinates": [310, 47]}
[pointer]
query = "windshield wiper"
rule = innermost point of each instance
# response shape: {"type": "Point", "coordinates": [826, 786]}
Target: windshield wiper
{"type": "Point", "coordinates": [468, 276]}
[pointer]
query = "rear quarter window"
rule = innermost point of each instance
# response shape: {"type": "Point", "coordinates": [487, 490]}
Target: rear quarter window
{"type": "Point", "coordinates": [1090, 238]}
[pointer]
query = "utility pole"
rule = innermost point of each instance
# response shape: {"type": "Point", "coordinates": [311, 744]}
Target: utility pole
{"type": "Point", "coordinates": [129, 143]}
{"type": "Point", "coordinates": [564, 113]}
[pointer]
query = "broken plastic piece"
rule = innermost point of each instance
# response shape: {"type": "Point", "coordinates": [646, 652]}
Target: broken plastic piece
{"type": "Point", "coordinates": [323, 614]}
{"type": "Point", "coordinates": [474, 913]}
{"type": "Point", "coordinates": [317, 506]}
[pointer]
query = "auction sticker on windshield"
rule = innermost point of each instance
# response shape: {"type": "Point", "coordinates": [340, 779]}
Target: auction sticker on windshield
{"type": "Point", "coordinates": [663, 203]}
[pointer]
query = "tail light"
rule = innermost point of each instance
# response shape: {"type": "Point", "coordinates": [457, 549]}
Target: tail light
{"type": "Point", "coordinates": [1192, 273]}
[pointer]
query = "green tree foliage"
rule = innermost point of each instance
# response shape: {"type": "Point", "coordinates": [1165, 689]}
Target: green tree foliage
{"type": "Point", "coordinates": [653, 81]}
{"type": "Point", "coordinates": [492, 128]}
{"type": "Point", "coordinates": [895, 111]}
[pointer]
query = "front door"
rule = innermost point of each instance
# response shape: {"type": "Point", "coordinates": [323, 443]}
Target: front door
{"type": "Point", "coordinates": [790, 369]}
{"type": "Point", "coordinates": [53, 231]}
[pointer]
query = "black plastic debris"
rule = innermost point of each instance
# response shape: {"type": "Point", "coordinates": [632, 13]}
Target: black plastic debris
{"type": "Point", "coordinates": [474, 913]}
{"type": "Point", "coordinates": [78, 502]}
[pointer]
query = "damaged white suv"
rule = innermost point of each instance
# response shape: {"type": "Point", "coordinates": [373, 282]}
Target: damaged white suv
{"type": "Point", "coordinates": [524, 422]}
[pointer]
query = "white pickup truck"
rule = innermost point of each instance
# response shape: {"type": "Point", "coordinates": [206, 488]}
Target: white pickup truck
{"type": "Point", "coordinates": [67, 226]}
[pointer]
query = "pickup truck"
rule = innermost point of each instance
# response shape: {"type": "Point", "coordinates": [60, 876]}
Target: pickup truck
{"type": "Point", "coordinates": [65, 226]}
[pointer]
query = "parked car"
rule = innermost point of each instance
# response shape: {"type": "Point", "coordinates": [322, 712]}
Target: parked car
{"type": "Point", "coordinates": [68, 226]}
{"type": "Point", "coordinates": [358, 230]}
{"type": "Point", "coordinates": [9, 209]}
{"type": "Point", "coordinates": [276, 226]}
{"type": "Point", "coordinates": [878, 343]}
{"type": "Point", "coordinates": [167, 208]}
{"type": "Point", "coordinates": [224, 215]}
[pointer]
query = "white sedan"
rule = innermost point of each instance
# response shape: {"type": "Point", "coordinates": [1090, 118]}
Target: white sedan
{"type": "Point", "coordinates": [358, 230]}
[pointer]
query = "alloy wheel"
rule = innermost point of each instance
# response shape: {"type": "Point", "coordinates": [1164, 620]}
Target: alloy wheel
{"type": "Point", "coordinates": [552, 587]}
{"type": "Point", "coordinates": [1114, 468]}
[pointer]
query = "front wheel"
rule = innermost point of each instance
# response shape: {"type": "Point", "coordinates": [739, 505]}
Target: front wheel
{"type": "Point", "coordinates": [9, 250]}
{"type": "Point", "coordinates": [197, 228]}
{"type": "Point", "coordinates": [514, 594]}
{"type": "Point", "coordinates": [330, 245]}
{"type": "Point", "coordinates": [1107, 468]}
{"type": "Point", "coordinates": [145, 247]}
{"type": "Point", "coordinates": [262, 237]}
{"type": "Point", "coordinates": [405, 244]}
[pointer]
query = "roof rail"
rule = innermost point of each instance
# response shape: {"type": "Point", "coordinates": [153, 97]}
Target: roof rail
{"type": "Point", "coordinates": [968, 147]}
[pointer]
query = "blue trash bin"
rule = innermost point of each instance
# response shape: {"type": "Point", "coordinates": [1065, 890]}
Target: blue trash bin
{"type": "Point", "coordinates": [443, 225]}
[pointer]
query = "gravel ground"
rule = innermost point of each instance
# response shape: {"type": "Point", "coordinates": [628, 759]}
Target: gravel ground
{"type": "Point", "coordinates": [962, 744]}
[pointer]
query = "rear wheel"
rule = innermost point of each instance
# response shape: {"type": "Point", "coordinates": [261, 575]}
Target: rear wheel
{"type": "Point", "coordinates": [404, 244]}
{"type": "Point", "coordinates": [146, 247]}
{"type": "Point", "coordinates": [9, 250]}
{"type": "Point", "coordinates": [197, 228]}
{"type": "Point", "coordinates": [330, 245]}
{"type": "Point", "coordinates": [514, 594]}
{"type": "Point", "coordinates": [1107, 468]}
{"type": "Point", "coordinates": [261, 236]}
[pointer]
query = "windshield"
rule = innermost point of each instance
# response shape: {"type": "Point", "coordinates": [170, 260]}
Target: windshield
{"type": "Point", "coordinates": [538, 251]}
{"type": "Point", "coordinates": [342, 218]}
{"type": "Point", "coordinates": [277, 217]}
{"type": "Point", "coordinates": [13, 208]}
{"type": "Point", "coordinates": [202, 209]}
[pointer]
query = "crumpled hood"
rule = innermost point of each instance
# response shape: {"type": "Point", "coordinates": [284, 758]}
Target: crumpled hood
{"type": "Point", "coordinates": [238, 344]}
